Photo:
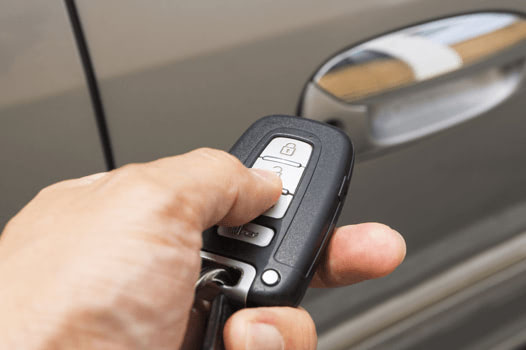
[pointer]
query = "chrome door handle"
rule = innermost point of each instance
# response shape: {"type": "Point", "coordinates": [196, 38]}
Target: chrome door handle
{"type": "Point", "coordinates": [420, 80]}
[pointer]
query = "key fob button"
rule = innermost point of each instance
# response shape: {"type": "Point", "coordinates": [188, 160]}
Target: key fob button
{"type": "Point", "coordinates": [280, 208]}
{"type": "Point", "coordinates": [251, 233]}
{"type": "Point", "coordinates": [288, 149]}
{"type": "Point", "coordinates": [270, 277]}
{"type": "Point", "coordinates": [290, 175]}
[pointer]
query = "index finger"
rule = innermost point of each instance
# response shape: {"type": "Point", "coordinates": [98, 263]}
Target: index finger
{"type": "Point", "coordinates": [201, 188]}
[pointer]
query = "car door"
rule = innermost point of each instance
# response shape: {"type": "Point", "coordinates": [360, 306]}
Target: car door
{"type": "Point", "coordinates": [173, 76]}
{"type": "Point", "coordinates": [48, 131]}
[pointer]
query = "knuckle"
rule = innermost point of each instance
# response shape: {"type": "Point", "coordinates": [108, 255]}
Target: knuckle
{"type": "Point", "coordinates": [132, 172]}
{"type": "Point", "coordinates": [218, 157]}
{"type": "Point", "coordinates": [44, 191]}
{"type": "Point", "coordinates": [127, 170]}
{"type": "Point", "coordinates": [136, 178]}
{"type": "Point", "coordinates": [141, 183]}
{"type": "Point", "coordinates": [226, 168]}
{"type": "Point", "coordinates": [49, 189]}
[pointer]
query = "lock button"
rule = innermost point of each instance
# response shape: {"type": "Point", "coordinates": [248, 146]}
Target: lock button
{"type": "Point", "coordinates": [290, 151]}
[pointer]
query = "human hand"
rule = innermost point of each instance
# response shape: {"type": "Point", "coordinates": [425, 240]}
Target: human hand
{"type": "Point", "coordinates": [109, 261]}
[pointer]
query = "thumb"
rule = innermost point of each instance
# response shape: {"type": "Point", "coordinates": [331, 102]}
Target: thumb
{"type": "Point", "coordinates": [270, 328]}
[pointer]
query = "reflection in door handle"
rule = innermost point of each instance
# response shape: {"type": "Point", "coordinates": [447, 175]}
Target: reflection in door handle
{"type": "Point", "coordinates": [418, 81]}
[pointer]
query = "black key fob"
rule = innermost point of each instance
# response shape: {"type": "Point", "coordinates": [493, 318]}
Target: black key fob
{"type": "Point", "coordinates": [273, 258]}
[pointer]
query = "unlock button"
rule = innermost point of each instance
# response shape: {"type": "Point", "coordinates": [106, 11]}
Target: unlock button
{"type": "Point", "coordinates": [290, 175]}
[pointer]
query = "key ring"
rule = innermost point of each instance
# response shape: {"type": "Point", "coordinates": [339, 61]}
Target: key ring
{"type": "Point", "coordinates": [207, 287]}
{"type": "Point", "coordinates": [210, 275]}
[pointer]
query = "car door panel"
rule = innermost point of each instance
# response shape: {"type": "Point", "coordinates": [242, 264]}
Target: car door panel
{"type": "Point", "coordinates": [160, 63]}
{"type": "Point", "coordinates": [48, 131]}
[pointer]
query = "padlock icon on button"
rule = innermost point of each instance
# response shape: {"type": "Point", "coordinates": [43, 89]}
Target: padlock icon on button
{"type": "Point", "coordinates": [288, 149]}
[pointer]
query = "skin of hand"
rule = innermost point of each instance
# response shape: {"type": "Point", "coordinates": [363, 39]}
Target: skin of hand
{"type": "Point", "coordinates": [109, 261]}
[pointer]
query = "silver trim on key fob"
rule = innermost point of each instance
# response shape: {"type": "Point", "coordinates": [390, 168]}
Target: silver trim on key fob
{"type": "Point", "coordinates": [240, 290]}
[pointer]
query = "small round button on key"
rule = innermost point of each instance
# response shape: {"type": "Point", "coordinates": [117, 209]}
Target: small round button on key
{"type": "Point", "coordinates": [270, 277]}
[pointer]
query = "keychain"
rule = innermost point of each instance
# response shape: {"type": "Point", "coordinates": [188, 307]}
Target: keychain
{"type": "Point", "coordinates": [270, 261]}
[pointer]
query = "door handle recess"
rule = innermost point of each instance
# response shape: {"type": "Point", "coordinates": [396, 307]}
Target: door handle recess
{"type": "Point", "coordinates": [418, 81]}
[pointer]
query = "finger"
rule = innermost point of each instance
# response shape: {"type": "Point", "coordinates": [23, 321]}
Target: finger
{"type": "Point", "coordinates": [359, 252]}
{"type": "Point", "coordinates": [208, 186]}
{"type": "Point", "coordinates": [279, 328]}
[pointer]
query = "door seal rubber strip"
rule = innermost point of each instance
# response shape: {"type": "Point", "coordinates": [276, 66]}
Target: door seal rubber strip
{"type": "Point", "coordinates": [91, 81]}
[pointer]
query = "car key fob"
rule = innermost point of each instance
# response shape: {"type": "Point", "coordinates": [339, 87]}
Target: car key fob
{"type": "Point", "coordinates": [272, 259]}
